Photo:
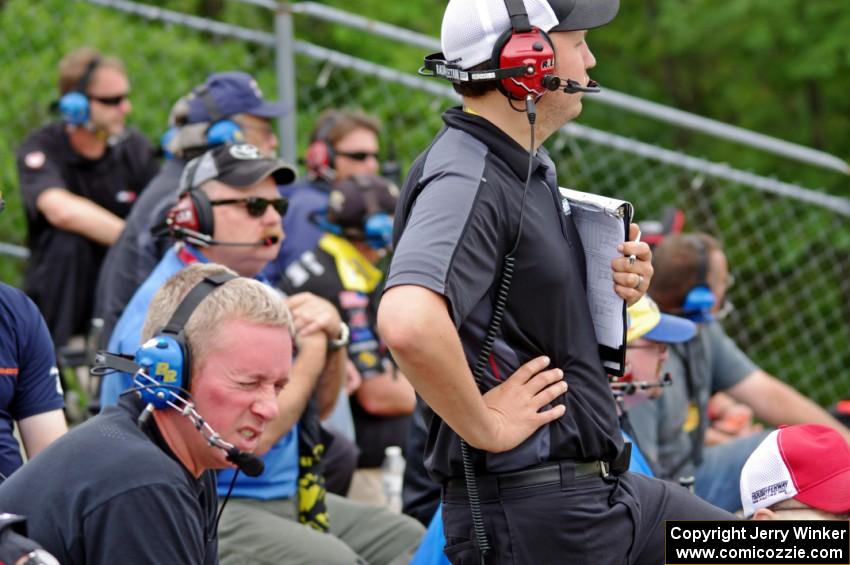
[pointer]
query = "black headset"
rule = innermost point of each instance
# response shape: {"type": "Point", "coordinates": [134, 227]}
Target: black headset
{"type": "Point", "coordinates": [167, 357]}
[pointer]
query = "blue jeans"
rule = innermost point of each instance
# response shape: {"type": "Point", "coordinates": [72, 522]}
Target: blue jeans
{"type": "Point", "coordinates": [718, 477]}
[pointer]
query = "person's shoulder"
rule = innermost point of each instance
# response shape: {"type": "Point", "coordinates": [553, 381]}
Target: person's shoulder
{"type": "Point", "coordinates": [46, 141]}
{"type": "Point", "coordinates": [17, 304]}
{"type": "Point", "coordinates": [135, 140]}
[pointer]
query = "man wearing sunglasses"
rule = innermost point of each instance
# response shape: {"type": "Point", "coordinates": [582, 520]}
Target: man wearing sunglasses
{"type": "Point", "coordinates": [226, 106]}
{"type": "Point", "coordinates": [79, 177]}
{"type": "Point", "coordinates": [229, 212]}
{"type": "Point", "coordinates": [342, 144]}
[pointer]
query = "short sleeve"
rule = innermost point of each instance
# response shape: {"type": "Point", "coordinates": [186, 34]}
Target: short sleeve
{"type": "Point", "coordinates": [38, 170]}
{"type": "Point", "coordinates": [730, 365]}
{"type": "Point", "coordinates": [38, 389]}
{"type": "Point", "coordinates": [453, 242]}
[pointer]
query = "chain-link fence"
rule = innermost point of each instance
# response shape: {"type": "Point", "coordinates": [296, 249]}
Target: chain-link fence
{"type": "Point", "coordinates": [788, 248]}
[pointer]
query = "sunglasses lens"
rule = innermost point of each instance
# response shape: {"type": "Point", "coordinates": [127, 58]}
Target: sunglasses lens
{"type": "Point", "coordinates": [111, 100]}
{"type": "Point", "coordinates": [281, 205]}
{"type": "Point", "coordinates": [358, 155]}
{"type": "Point", "coordinates": [257, 206]}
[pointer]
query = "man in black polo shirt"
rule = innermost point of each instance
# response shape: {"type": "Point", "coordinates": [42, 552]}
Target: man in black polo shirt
{"type": "Point", "coordinates": [79, 177]}
{"type": "Point", "coordinates": [547, 461]}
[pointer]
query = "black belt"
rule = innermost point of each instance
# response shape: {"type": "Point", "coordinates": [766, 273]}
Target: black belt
{"type": "Point", "coordinates": [561, 472]}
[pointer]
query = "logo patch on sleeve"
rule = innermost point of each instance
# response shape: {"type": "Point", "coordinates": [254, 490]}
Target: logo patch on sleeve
{"type": "Point", "coordinates": [35, 159]}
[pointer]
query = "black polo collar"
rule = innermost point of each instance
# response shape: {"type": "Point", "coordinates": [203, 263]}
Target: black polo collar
{"type": "Point", "coordinates": [497, 141]}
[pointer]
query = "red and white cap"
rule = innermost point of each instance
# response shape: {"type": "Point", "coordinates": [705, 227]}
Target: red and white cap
{"type": "Point", "coordinates": [807, 462]}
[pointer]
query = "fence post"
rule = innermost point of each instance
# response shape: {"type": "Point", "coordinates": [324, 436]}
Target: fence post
{"type": "Point", "coordinates": [285, 72]}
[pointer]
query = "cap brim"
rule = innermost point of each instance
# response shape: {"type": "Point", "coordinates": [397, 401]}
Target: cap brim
{"type": "Point", "coordinates": [250, 174]}
{"type": "Point", "coordinates": [585, 14]}
{"type": "Point", "coordinates": [672, 329]}
{"type": "Point", "coordinates": [268, 110]}
{"type": "Point", "coordinates": [831, 495]}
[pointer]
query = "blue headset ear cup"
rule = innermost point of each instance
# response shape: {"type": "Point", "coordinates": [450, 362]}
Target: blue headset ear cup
{"type": "Point", "coordinates": [225, 131]}
{"type": "Point", "coordinates": [165, 359]}
{"type": "Point", "coordinates": [321, 220]}
{"type": "Point", "coordinates": [698, 304]}
{"type": "Point", "coordinates": [74, 107]}
{"type": "Point", "coordinates": [379, 230]}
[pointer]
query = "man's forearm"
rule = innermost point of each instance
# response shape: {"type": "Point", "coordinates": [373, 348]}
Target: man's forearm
{"type": "Point", "coordinates": [387, 394]}
{"type": "Point", "coordinates": [292, 400]}
{"type": "Point", "coordinates": [330, 382]}
{"type": "Point", "coordinates": [79, 215]}
{"type": "Point", "coordinates": [776, 403]}
{"type": "Point", "coordinates": [427, 348]}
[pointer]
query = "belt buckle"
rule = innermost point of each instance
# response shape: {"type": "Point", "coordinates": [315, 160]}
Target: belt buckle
{"type": "Point", "coordinates": [604, 469]}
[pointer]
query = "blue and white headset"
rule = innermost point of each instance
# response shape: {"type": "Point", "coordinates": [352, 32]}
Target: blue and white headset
{"type": "Point", "coordinates": [74, 105]}
{"type": "Point", "coordinates": [221, 129]}
{"type": "Point", "coordinates": [377, 229]}
{"type": "Point", "coordinates": [700, 299]}
{"type": "Point", "coordinates": [167, 357]}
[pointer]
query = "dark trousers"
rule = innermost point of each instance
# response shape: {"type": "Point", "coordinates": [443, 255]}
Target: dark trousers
{"type": "Point", "coordinates": [589, 520]}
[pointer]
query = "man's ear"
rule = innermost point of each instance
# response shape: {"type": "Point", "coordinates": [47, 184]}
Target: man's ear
{"type": "Point", "coordinates": [764, 514]}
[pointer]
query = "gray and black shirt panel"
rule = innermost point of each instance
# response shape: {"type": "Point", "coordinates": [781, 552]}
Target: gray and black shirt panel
{"type": "Point", "coordinates": [458, 215]}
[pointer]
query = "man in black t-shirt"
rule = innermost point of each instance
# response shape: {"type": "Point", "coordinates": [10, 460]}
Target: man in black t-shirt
{"type": "Point", "coordinates": [486, 311]}
{"type": "Point", "coordinates": [79, 177]}
{"type": "Point", "coordinates": [343, 268]}
{"type": "Point", "coordinates": [135, 484]}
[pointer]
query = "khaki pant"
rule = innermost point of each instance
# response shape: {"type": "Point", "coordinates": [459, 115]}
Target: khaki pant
{"type": "Point", "coordinates": [267, 532]}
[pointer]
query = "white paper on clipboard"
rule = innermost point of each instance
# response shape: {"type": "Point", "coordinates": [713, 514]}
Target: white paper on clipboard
{"type": "Point", "coordinates": [602, 224]}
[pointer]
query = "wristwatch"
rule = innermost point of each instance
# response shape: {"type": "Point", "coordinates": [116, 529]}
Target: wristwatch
{"type": "Point", "coordinates": [342, 340]}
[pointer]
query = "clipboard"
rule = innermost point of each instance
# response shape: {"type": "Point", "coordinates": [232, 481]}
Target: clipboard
{"type": "Point", "coordinates": [602, 224]}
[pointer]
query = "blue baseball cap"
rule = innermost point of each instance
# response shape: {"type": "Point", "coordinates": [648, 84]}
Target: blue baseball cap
{"type": "Point", "coordinates": [647, 321]}
{"type": "Point", "coordinates": [229, 93]}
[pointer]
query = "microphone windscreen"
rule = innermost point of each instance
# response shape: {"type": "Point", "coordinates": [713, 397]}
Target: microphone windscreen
{"type": "Point", "coordinates": [249, 464]}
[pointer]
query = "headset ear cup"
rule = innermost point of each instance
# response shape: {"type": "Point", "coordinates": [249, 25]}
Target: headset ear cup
{"type": "Point", "coordinates": [225, 131]}
{"type": "Point", "coordinates": [698, 303]}
{"type": "Point", "coordinates": [203, 211]}
{"type": "Point", "coordinates": [74, 107]}
{"type": "Point", "coordinates": [164, 359]}
{"type": "Point", "coordinates": [532, 49]}
{"type": "Point", "coordinates": [319, 157]}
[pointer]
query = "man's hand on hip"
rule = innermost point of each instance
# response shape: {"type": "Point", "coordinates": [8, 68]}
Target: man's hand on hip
{"type": "Point", "coordinates": [515, 407]}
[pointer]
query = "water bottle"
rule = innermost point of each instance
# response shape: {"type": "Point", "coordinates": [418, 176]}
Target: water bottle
{"type": "Point", "coordinates": [392, 476]}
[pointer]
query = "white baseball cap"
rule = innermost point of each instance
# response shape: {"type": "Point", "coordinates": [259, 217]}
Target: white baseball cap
{"type": "Point", "coordinates": [471, 27]}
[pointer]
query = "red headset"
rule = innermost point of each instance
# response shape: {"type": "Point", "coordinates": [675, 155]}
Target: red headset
{"type": "Point", "coordinates": [320, 155]}
{"type": "Point", "coordinates": [523, 60]}
{"type": "Point", "coordinates": [526, 47]}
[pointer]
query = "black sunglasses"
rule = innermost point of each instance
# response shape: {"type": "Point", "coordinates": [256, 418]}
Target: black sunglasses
{"type": "Point", "coordinates": [256, 206]}
{"type": "Point", "coordinates": [111, 100]}
{"type": "Point", "coordinates": [358, 155]}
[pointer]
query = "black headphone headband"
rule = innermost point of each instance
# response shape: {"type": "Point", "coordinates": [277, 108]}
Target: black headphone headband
{"type": "Point", "coordinates": [518, 16]}
{"type": "Point", "coordinates": [85, 78]}
{"type": "Point", "coordinates": [195, 296]}
{"type": "Point", "coordinates": [435, 65]}
{"type": "Point", "coordinates": [702, 259]}
{"type": "Point", "coordinates": [205, 96]}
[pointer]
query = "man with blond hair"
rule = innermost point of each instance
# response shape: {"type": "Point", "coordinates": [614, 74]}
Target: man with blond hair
{"type": "Point", "coordinates": [143, 487]}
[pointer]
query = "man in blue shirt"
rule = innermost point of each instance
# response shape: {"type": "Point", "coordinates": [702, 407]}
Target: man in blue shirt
{"type": "Point", "coordinates": [30, 392]}
{"type": "Point", "coordinates": [230, 213]}
{"type": "Point", "coordinates": [227, 107]}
